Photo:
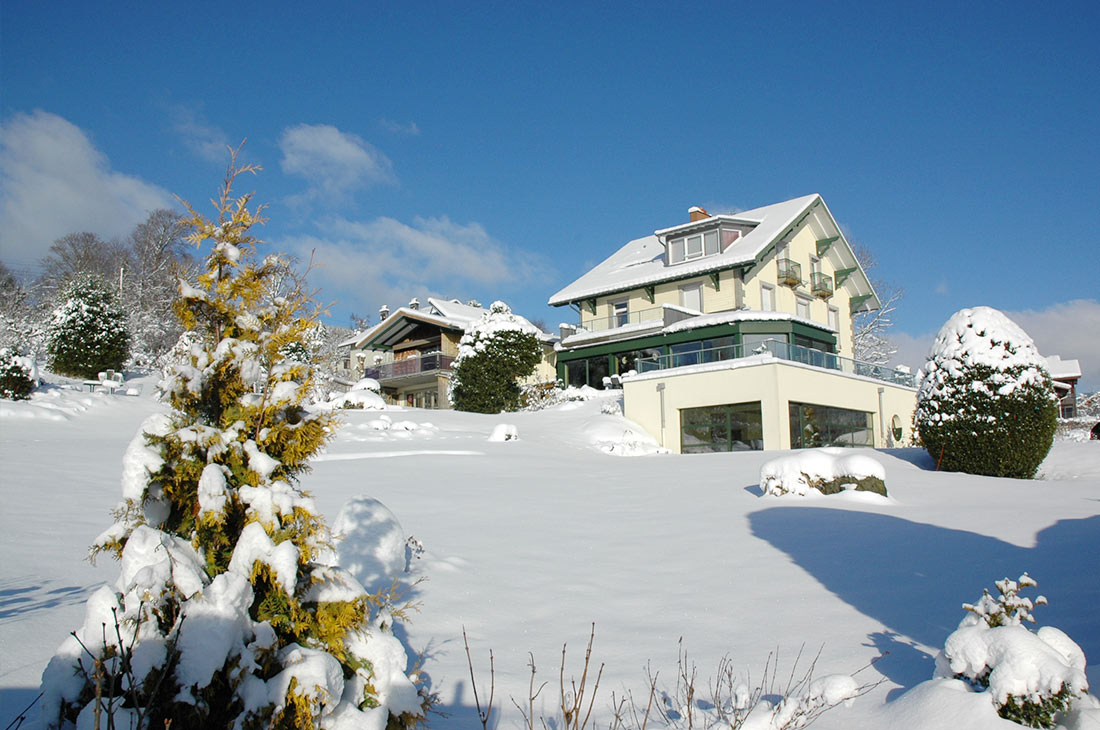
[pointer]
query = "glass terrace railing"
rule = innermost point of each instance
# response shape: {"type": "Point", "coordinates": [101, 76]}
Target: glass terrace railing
{"type": "Point", "coordinates": [599, 324]}
{"type": "Point", "coordinates": [778, 349]}
{"type": "Point", "coordinates": [821, 284]}
{"type": "Point", "coordinates": [410, 366]}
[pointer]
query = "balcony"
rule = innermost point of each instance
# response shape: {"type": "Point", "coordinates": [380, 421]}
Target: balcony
{"type": "Point", "coordinates": [782, 351]}
{"type": "Point", "coordinates": [790, 272]}
{"type": "Point", "coordinates": [821, 285]}
{"type": "Point", "coordinates": [431, 362]}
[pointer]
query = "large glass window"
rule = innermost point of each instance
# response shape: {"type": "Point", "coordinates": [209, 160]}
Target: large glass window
{"type": "Point", "coordinates": [587, 371]}
{"type": "Point", "coordinates": [813, 426]}
{"type": "Point", "coordinates": [730, 427]}
{"type": "Point", "coordinates": [627, 361]}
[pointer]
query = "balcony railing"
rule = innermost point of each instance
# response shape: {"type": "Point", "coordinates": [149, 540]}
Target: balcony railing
{"type": "Point", "coordinates": [821, 285]}
{"type": "Point", "coordinates": [598, 324]}
{"type": "Point", "coordinates": [790, 272]}
{"type": "Point", "coordinates": [781, 350]}
{"type": "Point", "coordinates": [430, 362]}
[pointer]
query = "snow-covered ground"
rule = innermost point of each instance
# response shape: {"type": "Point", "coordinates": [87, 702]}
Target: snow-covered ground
{"type": "Point", "coordinates": [528, 541]}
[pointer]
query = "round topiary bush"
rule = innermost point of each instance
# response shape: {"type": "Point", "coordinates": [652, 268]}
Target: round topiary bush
{"type": "Point", "coordinates": [87, 333]}
{"type": "Point", "coordinates": [986, 403]}
{"type": "Point", "coordinates": [494, 354]}
{"type": "Point", "coordinates": [16, 382]}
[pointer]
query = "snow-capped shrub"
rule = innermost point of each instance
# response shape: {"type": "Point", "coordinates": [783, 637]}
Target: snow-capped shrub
{"type": "Point", "coordinates": [494, 353]}
{"type": "Point", "coordinates": [828, 470]}
{"type": "Point", "coordinates": [16, 379]}
{"type": "Point", "coordinates": [504, 432]}
{"type": "Point", "coordinates": [1032, 677]}
{"type": "Point", "coordinates": [87, 332]}
{"type": "Point", "coordinates": [986, 403]}
{"type": "Point", "coordinates": [231, 609]}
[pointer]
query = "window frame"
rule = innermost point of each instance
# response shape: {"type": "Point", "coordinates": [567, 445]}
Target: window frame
{"type": "Point", "coordinates": [770, 290]}
{"type": "Point", "coordinates": [696, 287]}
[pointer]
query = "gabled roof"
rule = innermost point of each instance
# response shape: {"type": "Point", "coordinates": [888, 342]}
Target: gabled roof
{"type": "Point", "coordinates": [445, 314]}
{"type": "Point", "coordinates": [1060, 369]}
{"type": "Point", "coordinates": [641, 262]}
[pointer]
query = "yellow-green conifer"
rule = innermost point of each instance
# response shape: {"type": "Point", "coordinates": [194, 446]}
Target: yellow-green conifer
{"type": "Point", "coordinates": [230, 610]}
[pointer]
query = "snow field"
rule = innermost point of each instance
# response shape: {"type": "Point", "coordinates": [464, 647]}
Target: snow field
{"type": "Point", "coordinates": [528, 542]}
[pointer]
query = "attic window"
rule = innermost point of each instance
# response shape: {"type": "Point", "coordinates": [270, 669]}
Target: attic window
{"type": "Point", "coordinates": [694, 246]}
{"type": "Point", "coordinates": [701, 244]}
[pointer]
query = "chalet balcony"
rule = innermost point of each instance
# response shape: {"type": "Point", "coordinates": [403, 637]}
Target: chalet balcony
{"type": "Point", "coordinates": [779, 350]}
{"type": "Point", "coordinates": [790, 272]}
{"type": "Point", "coordinates": [821, 285]}
{"type": "Point", "coordinates": [432, 362]}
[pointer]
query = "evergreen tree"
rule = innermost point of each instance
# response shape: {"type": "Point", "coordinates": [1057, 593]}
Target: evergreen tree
{"type": "Point", "coordinates": [986, 403]}
{"type": "Point", "coordinates": [230, 610]}
{"type": "Point", "coordinates": [494, 354]}
{"type": "Point", "coordinates": [87, 333]}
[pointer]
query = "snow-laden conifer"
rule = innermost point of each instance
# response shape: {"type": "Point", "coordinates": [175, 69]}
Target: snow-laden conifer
{"type": "Point", "coordinates": [87, 332]}
{"type": "Point", "coordinates": [986, 403]}
{"type": "Point", "coordinates": [494, 353]}
{"type": "Point", "coordinates": [230, 610]}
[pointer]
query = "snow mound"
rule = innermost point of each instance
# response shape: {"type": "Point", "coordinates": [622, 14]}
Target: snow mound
{"type": "Point", "coordinates": [823, 470]}
{"type": "Point", "coordinates": [371, 543]}
{"type": "Point", "coordinates": [367, 384]}
{"type": "Point", "coordinates": [617, 436]}
{"type": "Point", "coordinates": [504, 432]}
{"type": "Point", "coordinates": [365, 399]}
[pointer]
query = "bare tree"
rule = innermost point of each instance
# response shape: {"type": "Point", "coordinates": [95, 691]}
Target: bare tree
{"type": "Point", "coordinates": [83, 253]}
{"type": "Point", "coordinates": [870, 341]}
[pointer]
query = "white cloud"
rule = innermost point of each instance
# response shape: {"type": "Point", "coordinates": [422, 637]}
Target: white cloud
{"type": "Point", "coordinates": [206, 140]}
{"type": "Point", "coordinates": [363, 264]}
{"type": "Point", "coordinates": [53, 181]}
{"type": "Point", "coordinates": [396, 127]}
{"type": "Point", "coordinates": [942, 287]}
{"type": "Point", "coordinates": [333, 163]}
{"type": "Point", "coordinates": [1067, 329]}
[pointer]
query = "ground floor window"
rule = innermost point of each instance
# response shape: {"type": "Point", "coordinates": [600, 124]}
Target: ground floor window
{"type": "Point", "coordinates": [587, 371]}
{"type": "Point", "coordinates": [729, 427]}
{"type": "Point", "coordinates": [422, 398]}
{"type": "Point", "coordinates": [813, 426]}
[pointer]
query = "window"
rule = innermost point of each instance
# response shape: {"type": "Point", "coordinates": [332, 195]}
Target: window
{"type": "Point", "coordinates": [813, 426]}
{"type": "Point", "coordinates": [730, 427]}
{"type": "Point", "coordinates": [834, 318]}
{"type": "Point", "coordinates": [620, 313]}
{"type": "Point", "coordinates": [694, 246]}
{"type": "Point", "coordinates": [729, 235]}
{"type": "Point", "coordinates": [587, 371]}
{"type": "Point", "coordinates": [802, 307]}
{"type": "Point", "coordinates": [815, 265]}
{"type": "Point", "coordinates": [756, 344]}
{"type": "Point", "coordinates": [691, 297]}
{"type": "Point", "coordinates": [767, 297]}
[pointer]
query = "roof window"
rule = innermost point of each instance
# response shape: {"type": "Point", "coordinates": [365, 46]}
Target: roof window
{"type": "Point", "coordinates": [700, 244]}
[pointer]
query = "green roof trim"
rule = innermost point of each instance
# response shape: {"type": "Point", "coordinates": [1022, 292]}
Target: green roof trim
{"type": "Point", "coordinates": [714, 280]}
{"type": "Point", "coordinates": [650, 294]}
{"type": "Point", "coordinates": [855, 302]}
{"type": "Point", "coordinates": [841, 275]}
{"type": "Point", "coordinates": [824, 244]}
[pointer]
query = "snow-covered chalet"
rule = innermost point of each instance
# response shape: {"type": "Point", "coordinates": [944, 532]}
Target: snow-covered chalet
{"type": "Point", "coordinates": [411, 350]}
{"type": "Point", "coordinates": [733, 332]}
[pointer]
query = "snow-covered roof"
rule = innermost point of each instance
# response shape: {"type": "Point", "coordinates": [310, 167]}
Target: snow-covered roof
{"type": "Point", "coordinates": [448, 314]}
{"type": "Point", "coordinates": [684, 325]}
{"type": "Point", "coordinates": [641, 262]}
{"type": "Point", "coordinates": [1060, 369]}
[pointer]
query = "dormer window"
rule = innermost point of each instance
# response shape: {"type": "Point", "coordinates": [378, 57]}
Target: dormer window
{"type": "Point", "coordinates": [696, 245]}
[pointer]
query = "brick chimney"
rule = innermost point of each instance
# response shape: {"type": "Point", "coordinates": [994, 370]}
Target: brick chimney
{"type": "Point", "coordinates": [697, 214]}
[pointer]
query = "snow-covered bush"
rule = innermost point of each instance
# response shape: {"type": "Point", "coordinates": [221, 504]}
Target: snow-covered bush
{"type": "Point", "coordinates": [87, 332]}
{"type": "Point", "coordinates": [828, 470]}
{"type": "Point", "coordinates": [1031, 676]}
{"type": "Point", "coordinates": [231, 609]}
{"type": "Point", "coordinates": [986, 403]}
{"type": "Point", "coordinates": [494, 353]}
{"type": "Point", "coordinates": [16, 379]}
{"type": "Point", "coordinates": [504, 432]}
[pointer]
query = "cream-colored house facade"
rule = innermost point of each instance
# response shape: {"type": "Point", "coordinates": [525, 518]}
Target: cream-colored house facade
{"type": "Point", "coordinates": [411, 351]}
{"type": "Point", "coordinates": [735, 332]}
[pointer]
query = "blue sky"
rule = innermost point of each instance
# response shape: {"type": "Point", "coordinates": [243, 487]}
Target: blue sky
{"type": "Point", "coordinates": [498, 151]}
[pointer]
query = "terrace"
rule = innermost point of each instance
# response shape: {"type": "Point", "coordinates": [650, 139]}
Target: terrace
{"type": "Point", "coordinates": [782, 351]}
{"type": "Point", "coordinates": [409, 367]}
